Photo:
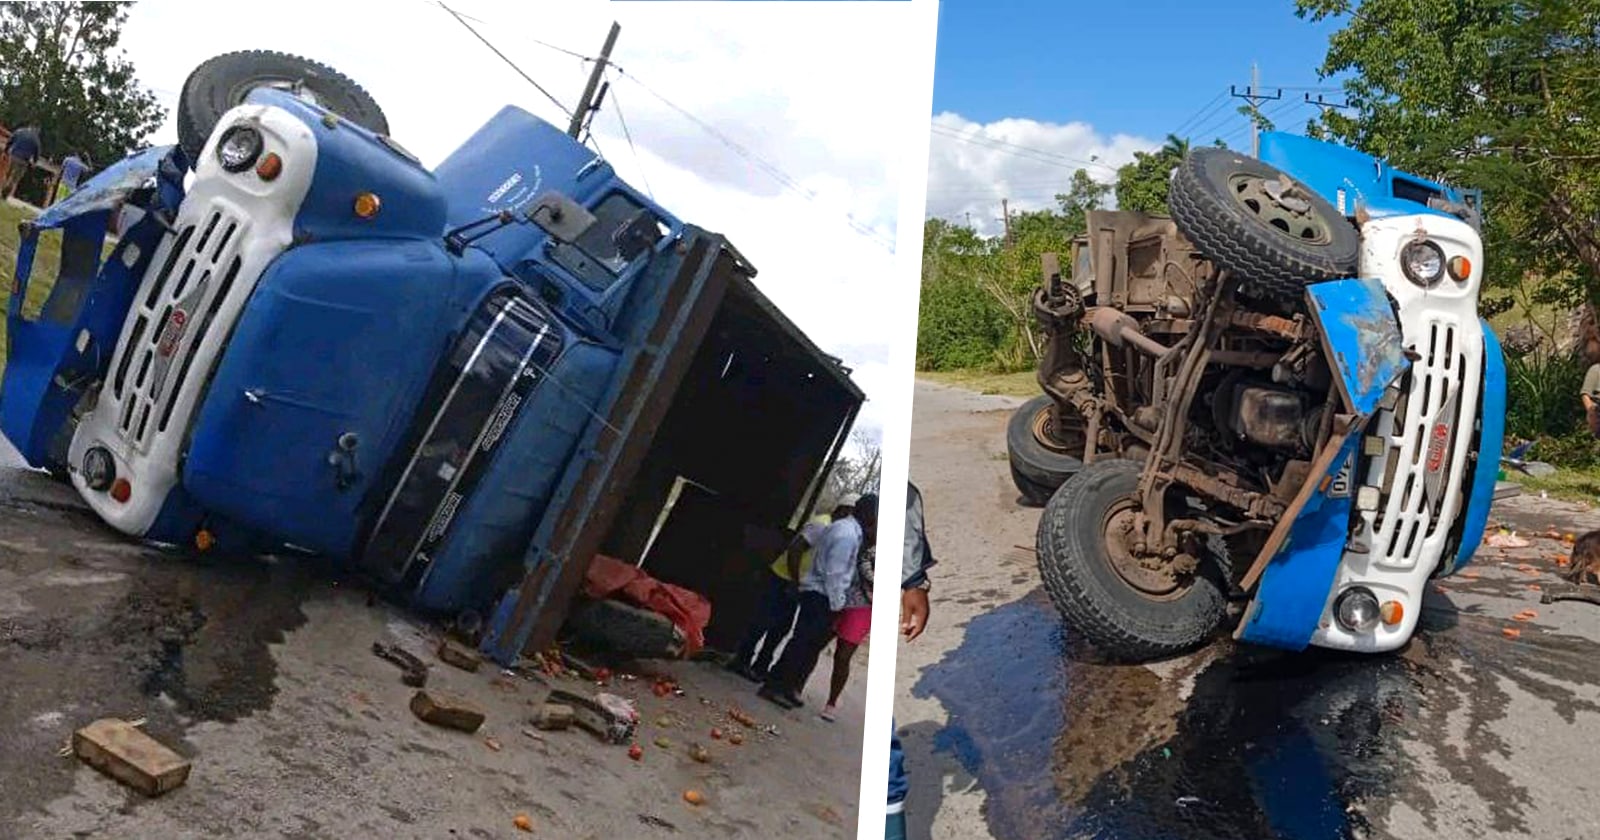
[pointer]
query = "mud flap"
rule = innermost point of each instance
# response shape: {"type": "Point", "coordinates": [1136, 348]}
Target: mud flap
{"type": "Point", "coordinates": [55, 355]}
{"type": "Point", "coordinates": [1296, 568]}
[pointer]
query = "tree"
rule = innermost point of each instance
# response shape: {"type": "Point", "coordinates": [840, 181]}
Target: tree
{"type": "Point", "coordinates": [61, 69]}
{"type": "Point", "coordinates": [1495, 94]}
{"type": "Point", "coordinates": [1082, 195]}
{"type": "Point", "coordinates": [1142, 185]}
{"type": "Point", "coordinates": [857, 471]}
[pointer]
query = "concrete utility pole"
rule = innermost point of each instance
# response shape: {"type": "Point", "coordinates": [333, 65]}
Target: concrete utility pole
{"type": "Point", "coordinates": [1255, 97]}
{"type": "Point", "coordinates": [587, 104]}
{"type": "Point", "coordinates": [1005, 212]}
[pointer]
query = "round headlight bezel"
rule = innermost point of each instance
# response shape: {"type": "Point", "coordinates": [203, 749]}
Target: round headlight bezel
{"type": "Point", "coordinates": [1353, 597]}
{"type": "Point", "coordinates": [99, 469]}
{"type": "Point", "coordinates": [246, 133]}
{"type": "Point", "coordinates": [1408, 253]}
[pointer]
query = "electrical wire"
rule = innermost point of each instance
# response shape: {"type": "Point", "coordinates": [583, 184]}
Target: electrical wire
{"type": "Point", "coordinates": [1017, 150]}
{"type": "Point", "coordinates": [617, 105]}
{"type": "Point", "coordinates": [1201, 114]}
{"type": "Point", "coordinates": [513, 64]}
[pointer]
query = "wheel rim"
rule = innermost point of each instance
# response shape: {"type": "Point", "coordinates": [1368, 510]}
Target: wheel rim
{"type": "Point", "coordinates": [1119, 533]}
{"type": "Point", "coordinates": [1281, 205]}
{"type": "Point", "coordinates": [1046, 434]}
{"type": "Point", "coordinates": [296, 87]}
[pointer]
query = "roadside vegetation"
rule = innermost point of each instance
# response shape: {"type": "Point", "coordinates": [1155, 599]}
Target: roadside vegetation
{"type": "Point", "coordinates": [1498, 95]}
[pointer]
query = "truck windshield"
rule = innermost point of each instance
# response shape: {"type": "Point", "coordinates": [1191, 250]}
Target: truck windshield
{"type": "Point", "coordinates": [600, 254]}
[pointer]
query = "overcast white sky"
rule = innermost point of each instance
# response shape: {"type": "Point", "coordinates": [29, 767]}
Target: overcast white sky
{"type": "Point", "coordinates": [972, 166]}
{"type": "Point", "coordinates": [825, 91]}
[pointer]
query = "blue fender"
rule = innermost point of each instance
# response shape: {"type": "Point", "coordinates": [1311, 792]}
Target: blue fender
{"type": "Point", "coordinates": [1491, 439]}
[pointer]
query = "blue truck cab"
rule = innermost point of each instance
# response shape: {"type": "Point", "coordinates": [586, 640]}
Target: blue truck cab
{"type": "Point", "coordinates": [441, 377]}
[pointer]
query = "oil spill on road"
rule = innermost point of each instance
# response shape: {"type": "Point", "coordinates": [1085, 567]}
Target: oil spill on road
{"type": "Point", "coordinates": [129, 634]}
{"type": "Point", "coordinates": [1235, 742]}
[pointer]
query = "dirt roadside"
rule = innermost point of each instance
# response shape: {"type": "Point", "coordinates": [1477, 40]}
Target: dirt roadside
{"type": "Point", "coordinates": [1013, 730]}
{"type": "Point", "coordinates": [263, 674]}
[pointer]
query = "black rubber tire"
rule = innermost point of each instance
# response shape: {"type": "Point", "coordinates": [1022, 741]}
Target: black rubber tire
{"type": "Point", "coordinates": [221, 83]}
{"type": "Point", "coordinates": [1267, 260]}
{"type": "Point", "coordinates": [1034, 467]}
{"type": "Point", "coordinates": [625, 630]}
{"type": "Point", "coordinates": [1093, 599]}
{"type": "Point", "coordinates": [1033, 493]}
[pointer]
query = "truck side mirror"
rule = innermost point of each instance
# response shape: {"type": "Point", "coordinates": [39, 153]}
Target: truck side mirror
{"type": "Point", "coordinates": [638, 236]}
{"type": "Point", "coordinates": [561, 217]}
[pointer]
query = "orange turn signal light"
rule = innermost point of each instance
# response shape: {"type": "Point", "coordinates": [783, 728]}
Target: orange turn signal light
{"type": "Point", "coordinates": [1460, 268]}
{"type": "Point", "coordinates": [203, 540]}
{"type": "Point", "coordinates": [121, 490]}
{"type": "Point", "coordinates": [367, 205]}
{"type": "Point", "coordinates": [1391, 612]}
{"type": "Point", "coordinates": [270, 167]}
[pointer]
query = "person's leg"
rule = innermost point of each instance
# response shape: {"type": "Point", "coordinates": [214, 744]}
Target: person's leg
{"type": "Point", "coordinates": [14, 173]}
{"type": "Point", "coordinates": [895, 826]}
{"type": "Point", "coordinates": [843, 651]}
{"type": "Point", "coordinates": [811, 633]}
{"type": "Point", "coordinates": [763, 624]}
{"type": "Point", "coordinates": [785, 606]}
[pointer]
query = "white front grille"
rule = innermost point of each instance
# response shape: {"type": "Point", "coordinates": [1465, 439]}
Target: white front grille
{"type": "Point", "coordinates": [173, 313]}
{"type": "Point", "coordinates": [1407, 512]}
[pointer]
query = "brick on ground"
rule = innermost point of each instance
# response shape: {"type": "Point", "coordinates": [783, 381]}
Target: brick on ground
{"type": "Point", "coordinates": [120, 750]}
{"type": "Point", "coordinates": [446, 710]}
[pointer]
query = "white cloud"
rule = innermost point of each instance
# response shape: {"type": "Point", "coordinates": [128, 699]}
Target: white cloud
{"type": "Point", "coordinates": [781, 81]}
{"type": "Point", "coordinates": [1023, 160]}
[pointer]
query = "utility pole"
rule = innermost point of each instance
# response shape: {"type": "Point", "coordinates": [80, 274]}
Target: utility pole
{"type": "Point", "coordinates": [589, 103]}
{"type": "Point", "coordinates": [1005, 211]}
{"type": "Point", "coordinates": [1255, 97]}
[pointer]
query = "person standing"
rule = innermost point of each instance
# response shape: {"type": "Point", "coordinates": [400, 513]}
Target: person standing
{"type": "Point", "coordinates": [21, 151]}
{"type": "Point", "coordinates": [1590, 395]}
{"type": "Point", "coordinates": [851, 630]}
{"type": "Point", "coordinates": [73, 168]}
{"type": "Point", "coordinates": [914, 585]}
{"type": "Point", "coordinates": [776, 611]}
{"type": "Point", "coordinates": [823, 591]}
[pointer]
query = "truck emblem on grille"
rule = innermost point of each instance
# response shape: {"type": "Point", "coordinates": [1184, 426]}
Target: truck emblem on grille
{"type": "Point", "coordinates": [1436, 444]}
{"type": "Point", "coordinates": [172, 332]}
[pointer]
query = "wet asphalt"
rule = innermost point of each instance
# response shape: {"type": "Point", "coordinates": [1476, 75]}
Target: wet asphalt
{"type": "Point", "coordinates": [1014, 730]}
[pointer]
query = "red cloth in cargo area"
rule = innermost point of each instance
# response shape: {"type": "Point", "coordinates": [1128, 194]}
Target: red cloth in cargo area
{"type": "Point", "coordinates": [609, 577]}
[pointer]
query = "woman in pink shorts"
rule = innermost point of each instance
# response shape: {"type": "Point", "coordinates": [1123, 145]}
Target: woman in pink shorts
{"type": "Point", "coordinates": [850, 630]}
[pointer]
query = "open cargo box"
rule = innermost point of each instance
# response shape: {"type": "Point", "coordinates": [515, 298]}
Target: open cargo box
{"type": "Point", "coordinates": [719, 388]}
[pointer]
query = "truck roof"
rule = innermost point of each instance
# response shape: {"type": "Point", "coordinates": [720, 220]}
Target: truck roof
{"type": "Point", "coordinates": [1348, 178]}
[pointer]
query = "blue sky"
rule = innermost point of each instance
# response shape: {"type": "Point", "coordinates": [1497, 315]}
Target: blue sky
{"type": "Point", "coordinates": [1135, 67]}
{"type": "Point", "coordinates": [1026, 91]}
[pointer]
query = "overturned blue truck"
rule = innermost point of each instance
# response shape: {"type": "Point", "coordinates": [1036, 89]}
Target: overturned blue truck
{"type": "Point", "coordinates": [466, 382]}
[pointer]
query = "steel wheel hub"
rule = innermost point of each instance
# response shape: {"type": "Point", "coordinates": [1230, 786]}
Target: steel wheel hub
{"type": "Point", "coordinates": [1281, 205]}
{"type": "Point", "coordinates": [1153, 578]}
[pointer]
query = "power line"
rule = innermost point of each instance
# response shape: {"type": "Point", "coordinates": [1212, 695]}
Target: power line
{"type": "Point", "coordinates": [513, 64]}
{"type": "Point", "coordinates": [616, 105]}
{"type": "Point", "coordinates": [1039, 155]}
{"type": "Point", "coordinates": [1205, 110]}
{"type": "Point", "coordinates": [772, 169]}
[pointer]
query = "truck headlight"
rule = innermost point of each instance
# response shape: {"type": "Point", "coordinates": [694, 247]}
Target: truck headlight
{"type": "Point", "coordinates": [99, 470]}
{"type": "Point", "coordinates": [1423, 262]}
{"type": "Point", "coordinates": [1356, 609]}
{"type": "Point", "coordinates": [239, 148]}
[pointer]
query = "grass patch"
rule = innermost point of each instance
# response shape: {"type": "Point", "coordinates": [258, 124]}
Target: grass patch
{"type": "Point", "coordinates": [1569, 484]}
{"type": "Point", "coordinates": [1020, 384]}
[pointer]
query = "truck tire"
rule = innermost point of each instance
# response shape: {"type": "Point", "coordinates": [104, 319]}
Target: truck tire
{"type": "Point", "coordinates": [221, 83]}
{"type": "Point", "coordinates": [1076, 543]}
{"type": "Point", "coordinates": [1275, 246]}
{"type": "Point", "coordinates": [625, 630]}
{"type": "Point", "coordinates": [1036, 469]}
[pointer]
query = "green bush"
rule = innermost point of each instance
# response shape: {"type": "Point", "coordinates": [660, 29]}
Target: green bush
{"type": "Point", "coordinates": [959, 326]}
{"type": "Point", "coordinates": [1542, 389]}
{"type": "Point", "coordinates": [1573, 450]}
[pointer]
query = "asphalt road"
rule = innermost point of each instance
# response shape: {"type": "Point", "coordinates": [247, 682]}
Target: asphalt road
{"type": "Point", "coordinates": [261, 673]}
{"type": "Point", "coordinates": [1014, 730]}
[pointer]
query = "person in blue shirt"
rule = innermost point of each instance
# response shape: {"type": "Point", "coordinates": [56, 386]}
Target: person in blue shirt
{"type": "Point", "coordinates": [823, 593]}
{"type": "Point", "coordinates": [914, 585]}
{"type": "Point", "coordinates": [21, 151]}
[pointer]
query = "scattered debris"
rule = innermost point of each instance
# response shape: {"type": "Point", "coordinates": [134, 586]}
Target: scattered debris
{"type": "Point", "coordinates": [694, 797]}
{"type": "Point", "coordinates": [552, 717]}
{"type": "Point", "coordinates": [1510, 632]}
{"type": "Point", "coordinates": [612, 724]}
{"type": "Point", "coordinates": [736, 739]}
{"type": "Point", "coordinates": [120, 750]}
{"type": "Point", "coordinates": [522, 822]}
{"type": "Point", "coordinates": [620, 707]}
{"type": "Point", "coordinates": [716, 734]}
{"type": "Point", "coordinates": [700, 754]}
{"type": "Point", "coordinates": [657, 822]}
{"type": "Point", "coordinates": [636, 752]}
{"type": "Point", "coordinates": [413, 671]}
{"type": "Point", "coordinates": [452, 652]}
{"type": "Point", "coordinates": [492, 744]}
{"type": "Point", "coordinates": [664, 743]}
{"type": "Point", "coordinates": [446, 710]}
{"type": "Point", "coordinates": [742, 717]}
{"type": "Point", "coordinates": [1571, 592]}
{"type": "Point", "coordinates": [1506, 539]}
{"type": "Point", "coordinates": [1186, 801]}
